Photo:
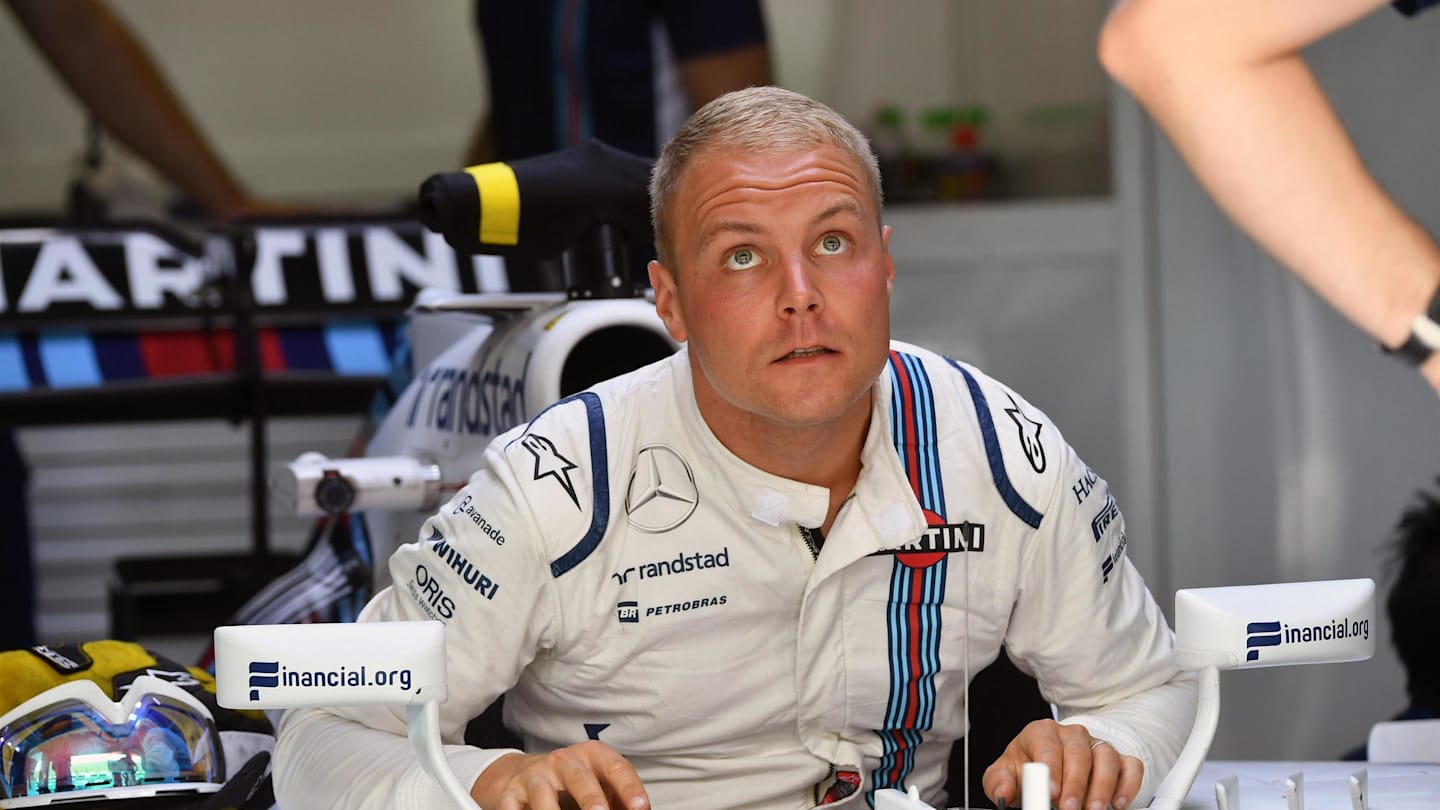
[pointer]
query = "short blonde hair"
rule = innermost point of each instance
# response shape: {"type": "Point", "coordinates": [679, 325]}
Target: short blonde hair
{"type": "Point", "coordinates": [763, 120]}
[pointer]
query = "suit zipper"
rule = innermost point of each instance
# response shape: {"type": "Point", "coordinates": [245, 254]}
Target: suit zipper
{"type": "Point", "coordinates": [812, 539]}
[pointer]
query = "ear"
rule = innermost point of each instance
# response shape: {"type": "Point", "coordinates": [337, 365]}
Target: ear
{"type": "Point", "coordinates": [889, 263]}
{"type": "Point", "coordinates": [667, 302]}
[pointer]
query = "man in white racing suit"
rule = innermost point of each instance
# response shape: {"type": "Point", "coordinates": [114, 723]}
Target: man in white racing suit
{"type": "Point", "coordinates": [758, 573]}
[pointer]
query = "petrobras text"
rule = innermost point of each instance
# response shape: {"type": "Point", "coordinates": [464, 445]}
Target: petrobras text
{"type": "Point", "coordinates": [354, 664]}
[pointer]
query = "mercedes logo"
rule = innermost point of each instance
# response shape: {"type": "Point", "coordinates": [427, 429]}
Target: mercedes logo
{"type": "Point", "coordinates": [662, 492]}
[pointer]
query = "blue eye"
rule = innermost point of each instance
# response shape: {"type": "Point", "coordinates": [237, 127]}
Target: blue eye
{"type": "Point", "coordinates": [742, 259]}
{"type": "Point", "coordinates": [832, 243]}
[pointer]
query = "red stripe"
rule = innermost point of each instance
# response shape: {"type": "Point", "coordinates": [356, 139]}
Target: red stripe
{"type": "Point", "coordinates": [272, 353]}
{"type": "Point", "coordinates": [898, 769]}
{"type": "Point", "coordinates": [907, 416]}
{"type": "Point", "coordinates": [917, 589]}
{"type": "Point", "coordinates": [174, 354]}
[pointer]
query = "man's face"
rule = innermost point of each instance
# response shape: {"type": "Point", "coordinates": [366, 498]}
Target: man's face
{"type": "Point", "coordinates": [781, 286]}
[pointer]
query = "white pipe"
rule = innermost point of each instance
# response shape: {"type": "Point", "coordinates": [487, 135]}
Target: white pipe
{"type": "Point", "coordinates": [424, 729]}
{"type": "Point", "coordinates": [1176, 785]}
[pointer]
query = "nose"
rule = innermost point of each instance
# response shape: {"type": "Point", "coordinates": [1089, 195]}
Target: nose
{"type": "Point", "coordinates": [798, 291]}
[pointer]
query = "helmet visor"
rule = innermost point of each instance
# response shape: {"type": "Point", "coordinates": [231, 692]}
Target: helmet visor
{"type": "Point", "coordinates": [74, 746]}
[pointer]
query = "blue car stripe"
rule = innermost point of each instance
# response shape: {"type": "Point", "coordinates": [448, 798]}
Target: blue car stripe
{"type": "Point", "coordinates": [69, 359]}
{"type": "Point", "coordinates": [356, 347]}
{"type": "Point", "coordinates": [13, 376]}
{"type": "Point", "coordinates": [930, 469]}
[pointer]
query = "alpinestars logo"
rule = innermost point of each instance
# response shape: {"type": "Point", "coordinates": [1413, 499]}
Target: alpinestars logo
{"type": "Point", "coordinates": [179, 678]}
{"type": "Point", "coordinates": [1029, 431]}
{"type": "Point", "coordinates": [549, 463]}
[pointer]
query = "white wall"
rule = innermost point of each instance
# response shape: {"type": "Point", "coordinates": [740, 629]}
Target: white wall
{"type": "Point", "coordinates": [1290, 444]}
{"type": "Point", "coordinates": [332, 99]}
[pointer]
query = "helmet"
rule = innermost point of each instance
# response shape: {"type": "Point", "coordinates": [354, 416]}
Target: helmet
{"type": "Point", "coordinates": [72, 743]}
{"type": "Point", "coordinates": [103, 721]}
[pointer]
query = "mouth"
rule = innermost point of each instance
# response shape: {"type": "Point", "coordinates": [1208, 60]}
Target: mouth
{"type": "Point", "coordinates": [805, 353]}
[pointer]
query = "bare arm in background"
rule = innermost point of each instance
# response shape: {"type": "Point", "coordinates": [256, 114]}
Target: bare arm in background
{"type": "Point", "coordinates": [114, 77]}
{"type": "Point", "coordinates": [1226, 82]}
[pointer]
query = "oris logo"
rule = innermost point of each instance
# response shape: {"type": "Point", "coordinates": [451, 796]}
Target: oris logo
{"type": "Point", "coordinates": [662, 493]}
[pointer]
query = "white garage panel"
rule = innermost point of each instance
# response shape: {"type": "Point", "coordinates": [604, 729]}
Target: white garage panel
{"type": "Point", "coordinates": [169, 488]}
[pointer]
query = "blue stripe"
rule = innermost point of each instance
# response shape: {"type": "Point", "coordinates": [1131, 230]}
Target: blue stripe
{"type": "Point", "coordinates": [564, 88]}
{"type": "Point", "coordinates": [929, 445]}
{"type": "Point", "coordinates": [931, 484]}
{"type": "Point", "coordinates": [304, 348]}
{"type": "Point", "coordinates": [1263, 627]}
{"type": "Point", "coordinates": [119, 357]}
{"type": "Point", "coordinates": [924, 432]}
{"type": "Point", "coordinates": [356, 347]}
{"type": "Point", "coordinates": [599, 473]}
{"type": "Point", "coordinates": [897, 417]}
{"type": "Point", "coordinates": [69, 359]}
{"type": "Point", "coordinates": [587, 113]}
{"type": "Point", "coordinates": [30, 350]}
{"type": "Point", "coordinates": [1012, 499]}
{"type": "Point", "coordinates": [557, 69]}
{"type": "Point", "coordinates": [932, 594]}
{"type": "Point", "coordinates": [894, 628]}
{"type": "Point", "coordinates": [12, 365]}
{"type": "Point", "coordinates": [935, 577]}
{"type": "Point", "coordinates": [391, 332]}
{"type": "Point", "coordinates": [917, 420]}
{"type": "Point", "coordinates": [1263, 641]}
{"type": "Point", "coordinates": [899, 743]}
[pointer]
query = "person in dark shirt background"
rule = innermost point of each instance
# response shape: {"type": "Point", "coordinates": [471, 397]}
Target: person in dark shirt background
{"type": "Point", "coordinates": [626, 72]}
{"type": "Point", "coordinates": [1413, 606]}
